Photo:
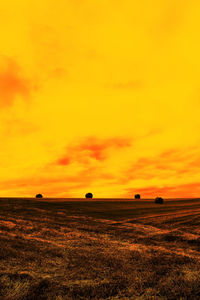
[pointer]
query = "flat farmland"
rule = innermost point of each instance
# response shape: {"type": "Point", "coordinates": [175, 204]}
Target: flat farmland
{"type": "Point", "coordinates": [99, 249]}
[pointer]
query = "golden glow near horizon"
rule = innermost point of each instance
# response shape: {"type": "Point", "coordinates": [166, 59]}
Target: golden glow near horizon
{"type": "Point", "coordinates": [101, 97]}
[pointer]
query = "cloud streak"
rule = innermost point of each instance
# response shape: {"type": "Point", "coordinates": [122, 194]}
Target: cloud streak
{"type": "Point", "coordinates": [169, 163]}
{"type": "Point", "coordinates": [181, 190]}
{"type": "Point", "coordinates": [92, 148]}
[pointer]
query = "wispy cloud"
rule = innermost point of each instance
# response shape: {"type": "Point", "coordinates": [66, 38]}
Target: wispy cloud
{"type": "Point", "coordinates": [82, 165]}
{"type": "Point", "coordinates": [92, 148]}
{"type": "Point", "coordinates": [64, 185]}
{"type": "Point", "coordinates": [181, 190]}
{"type": "Point", "coordinates": [12, 82]}
{"type": "Point", "coordinates": [171, 162]}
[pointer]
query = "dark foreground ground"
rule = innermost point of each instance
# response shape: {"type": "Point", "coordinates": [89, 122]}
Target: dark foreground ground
{"type": "Point", "coordinates": [99, 249]}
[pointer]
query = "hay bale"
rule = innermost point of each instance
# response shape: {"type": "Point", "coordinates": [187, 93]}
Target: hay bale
{"type": "Point", "coordinates": [89, 195]}
{"type": "Point", "coordinates": [159, 200]}
{"type": "Point", "coordinates": [39, 196]}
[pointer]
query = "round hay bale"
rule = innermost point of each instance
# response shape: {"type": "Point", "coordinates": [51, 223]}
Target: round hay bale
{"type": "Point", "coordinates": [39, 196]}
{"type": "Point", "coordinates": [89, 195]}
{"type": "Point", "coordinates": [159, 200]}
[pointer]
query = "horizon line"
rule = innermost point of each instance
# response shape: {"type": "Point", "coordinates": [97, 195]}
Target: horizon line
{"type": "Point", "coordinates": [18, 197]}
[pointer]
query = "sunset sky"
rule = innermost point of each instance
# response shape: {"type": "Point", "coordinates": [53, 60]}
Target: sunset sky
{"type": "Point", "coordinates": [100, 96]}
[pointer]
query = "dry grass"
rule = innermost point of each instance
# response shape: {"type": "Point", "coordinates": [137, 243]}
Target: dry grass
{"type": "Point", "coordinates": [99, 249]}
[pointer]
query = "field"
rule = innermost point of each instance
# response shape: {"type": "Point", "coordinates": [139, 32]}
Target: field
{"type": "Point", "coordinates": [99, 249]}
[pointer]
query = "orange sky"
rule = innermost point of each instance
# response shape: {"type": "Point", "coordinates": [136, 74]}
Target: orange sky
{"type": "Point", "coordinates": [100, 96]}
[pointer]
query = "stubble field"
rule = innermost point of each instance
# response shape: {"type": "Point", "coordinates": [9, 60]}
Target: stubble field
{"type": "Point", "coordinates": [99, 249]}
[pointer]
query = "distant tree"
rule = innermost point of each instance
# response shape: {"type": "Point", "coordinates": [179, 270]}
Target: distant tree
{"type": "Point", "coordinates": [159, 200]}
{"type": "Point", "coordinates": [89, 195]}
{"type": "Point", "coordinates": [137, 196]}
{"type": "Point", "coordinates": [39, 196]}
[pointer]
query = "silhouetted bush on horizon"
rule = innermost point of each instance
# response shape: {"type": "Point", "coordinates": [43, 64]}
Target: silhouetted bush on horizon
{"type": "Point", "coordinates": [89, 195]}
{"type": "Point", "coordinates": [39, 196]}
{"type": "Point", "coordinates": [137, 196]}
{"type": "Point", "coordinates": [159, 200]}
